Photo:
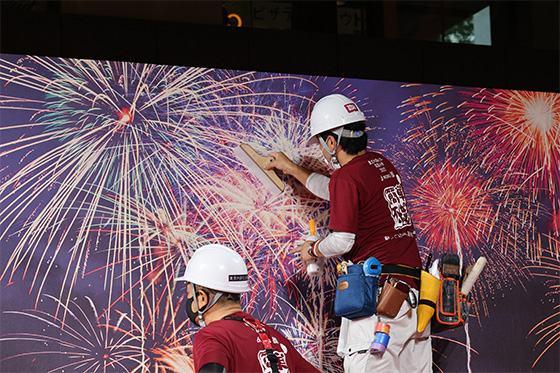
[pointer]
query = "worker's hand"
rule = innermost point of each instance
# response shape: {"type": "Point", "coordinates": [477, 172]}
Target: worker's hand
{"type": "Point", "coordinates": [280, 162]}
{"type": "Point", "coordinates": [302, 249]}
{"type": "Point", "coordinates": [287, 166]}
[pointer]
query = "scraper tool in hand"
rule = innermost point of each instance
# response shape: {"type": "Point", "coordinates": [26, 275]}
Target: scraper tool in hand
{"type": "Point", "coordinates": [254, 162]}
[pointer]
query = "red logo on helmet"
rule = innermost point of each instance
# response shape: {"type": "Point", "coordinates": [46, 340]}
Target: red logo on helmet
{"type": "Point", "coordinates": [351, 108]}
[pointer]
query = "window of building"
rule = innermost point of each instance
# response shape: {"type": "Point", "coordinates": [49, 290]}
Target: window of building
{"type": "Point", "coordinates": [475, 29]}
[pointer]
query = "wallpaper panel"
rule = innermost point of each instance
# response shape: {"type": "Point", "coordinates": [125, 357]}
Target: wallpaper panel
{"type": "Point", "coordinates": [113, 173]}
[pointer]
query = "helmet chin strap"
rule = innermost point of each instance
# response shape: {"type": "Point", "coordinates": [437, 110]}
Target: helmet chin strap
{"type": "Point", "coordinates": [334, 160]}
{"type": "Point", "coordinates": [217, 296]}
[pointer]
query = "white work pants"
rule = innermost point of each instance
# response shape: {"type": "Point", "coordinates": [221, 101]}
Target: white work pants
{"type": "Point", "coordinates": [407, 351]}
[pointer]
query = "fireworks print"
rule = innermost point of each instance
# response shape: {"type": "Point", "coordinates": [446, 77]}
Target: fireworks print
{"type": "Point", "coordinates": [83, 341]}
{"type": "Point", "coordinates": [461, 204]}
{"type": "Point", "coordinates": [113, 173]}
{"type": "Point", "coordinates": [522, 123]}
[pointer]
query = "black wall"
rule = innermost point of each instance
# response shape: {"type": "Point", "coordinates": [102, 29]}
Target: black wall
{"type": "Point", "coordinates": [521, 56]}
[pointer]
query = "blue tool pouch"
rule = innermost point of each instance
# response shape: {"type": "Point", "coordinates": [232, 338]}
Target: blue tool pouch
{"type": "Point", "coordinates": [356, 293]}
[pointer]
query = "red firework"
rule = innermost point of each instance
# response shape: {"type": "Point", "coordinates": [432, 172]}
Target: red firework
{"type": "Point", "coordinates": [517, 134]}
{"type": "Point", "coordinates": [454, 200]}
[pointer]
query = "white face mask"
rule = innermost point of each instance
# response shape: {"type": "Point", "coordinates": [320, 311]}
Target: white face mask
{"type": "Point", "coordinates": [333, 163]}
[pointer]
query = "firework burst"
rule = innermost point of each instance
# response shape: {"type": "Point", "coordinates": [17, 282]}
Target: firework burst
{"type": "Point", "coordinates": [451, 196]}
{"type": "Point", "coordinates": [88, 344]}
{"type": "Point", "coordinates": [456, 204]}
{"type": "Point", "coordinates": [110, 128]}
{"type": "Point", "coordinates": [160, 341]}
{"type": "Point", "coordinates": [518, 135]}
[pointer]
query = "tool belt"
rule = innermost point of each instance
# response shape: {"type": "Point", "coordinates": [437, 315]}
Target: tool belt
{"type": "Point", "coordinates": [357, 289]}
{"type": "Point", "coordinates": [402, 270]}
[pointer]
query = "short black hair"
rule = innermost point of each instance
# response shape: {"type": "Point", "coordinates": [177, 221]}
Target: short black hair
{"type": "Point", "coordinates": [351, 146]}
{"type": "Point", "coordinates": [225, 296]}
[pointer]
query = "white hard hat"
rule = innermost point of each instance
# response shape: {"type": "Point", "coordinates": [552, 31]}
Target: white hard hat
{"type": "Point", "coordinates": [331, 112]}
{"type": "Point", "coordinates": [217, 267]}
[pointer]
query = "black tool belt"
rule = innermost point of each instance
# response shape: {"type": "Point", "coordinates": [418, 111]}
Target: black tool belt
{"type": "Point", "coordinates": [401, 270]}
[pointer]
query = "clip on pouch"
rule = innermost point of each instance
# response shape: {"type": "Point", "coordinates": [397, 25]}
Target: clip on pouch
{"type": "Point", "coordinates": [392, 296]}
{"type": "Point", "coordinates": [356, 293]}
{"type": "Point", "coordinates": [452, 308]}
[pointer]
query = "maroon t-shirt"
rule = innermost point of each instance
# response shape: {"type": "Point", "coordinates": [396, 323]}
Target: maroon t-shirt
{"type": "Point", "coordinates": [367, 199]}
{"type": "Point", "coordinates": [238, 348]}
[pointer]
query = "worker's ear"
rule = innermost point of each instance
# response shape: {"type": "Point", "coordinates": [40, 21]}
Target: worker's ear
{"type": "Point", "coordinates": [203, 298]}
{"type": "Point", "coordinates": [331, 142]}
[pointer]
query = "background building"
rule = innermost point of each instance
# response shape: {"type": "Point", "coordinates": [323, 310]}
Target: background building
{"type": "Point", "coordinates": [500, 44]}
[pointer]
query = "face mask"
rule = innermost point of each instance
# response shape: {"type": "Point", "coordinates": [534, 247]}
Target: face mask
{"type": "Point", "coordinates": [333, 163]}
{"type": "Point", "coordinates": [192, 315]}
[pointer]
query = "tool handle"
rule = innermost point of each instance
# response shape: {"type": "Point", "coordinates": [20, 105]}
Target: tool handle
{"type": "Point", "coordinates": [428, 262]}
{"type": "Point", "coordinates": [471, 278]}
{"type": "Point", "coordinates": [312, 230]}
